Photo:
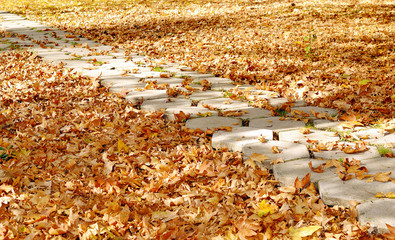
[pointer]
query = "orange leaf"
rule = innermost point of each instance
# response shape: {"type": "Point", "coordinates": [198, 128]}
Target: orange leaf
{"type": "Point", "coordinates": [391, 234]}
{"type": "Point", "coordinates": [275, 150]}
{"type": "Point", "coordinates": [304, 130]}
{"type": "Point", "coordinates": [181, 116]}
{"type": "Point", "coordinates": [300, 184]}
{"type": "Point", "coordinates": [382, 176]}
{"type": "Point", "coordinates": [316, 169]}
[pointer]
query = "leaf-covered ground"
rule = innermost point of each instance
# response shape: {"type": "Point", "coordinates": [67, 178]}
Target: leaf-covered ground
{"type": "Point", "coordinates": [332, 54]}
{"type": "Point", "coordinates": [80, 163]}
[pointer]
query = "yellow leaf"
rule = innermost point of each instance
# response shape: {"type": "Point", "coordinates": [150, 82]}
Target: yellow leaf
{"type": "Point", "coordinates": [257, 157]}
{"type": "Point", "coordinates": [264, 209]}
{"type": "Point", "coordinates": [390, 195]}
{"type": "Point", "coordinates": [297, 234]}
{"type": "Point", "coordinates": [122, 146]}
{"type": "Point", "coordinates": [207, 114]}
{"type": "Point", "coordinates": [363, 82]}
{"type": "Point", "coordinates": [275, 150]}
{"type": "Point", "coordinates": [304, 130]}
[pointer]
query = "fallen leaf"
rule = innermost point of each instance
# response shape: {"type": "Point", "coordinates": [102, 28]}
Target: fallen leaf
{"type": "Point", "coordinates": [297, 234]}
{"type": "Point", "coordinates": [304, 130]}
{"type": "Point", "coordinates": [383, 176]}
{"type": "Point", "coordinates": [391, 234]}
{"type": "Point", "coordinates": [181, 117]}
{"type": "Point", "coordinates": [300, 184]}
{"type": "Point", "coordinates": [275, 150]}
{"type": "Point", "coordinates": [265, 208]}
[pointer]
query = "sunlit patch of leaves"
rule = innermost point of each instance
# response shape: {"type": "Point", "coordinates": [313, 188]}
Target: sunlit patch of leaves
{"type": "Point", "coordinates": [269, 44]}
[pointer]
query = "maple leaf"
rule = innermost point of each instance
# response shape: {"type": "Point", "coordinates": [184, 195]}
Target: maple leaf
{"type": "Point", "coordinates": [58, 230]}
{"type": "Point", "coordinates": [256, 157]}
{"type": "Point", "coordinates": [318, 169]}
{"type": "Point", "coordinates": [247, 228]}
{"type": "Point", "coordinates": [122, 146]}
{"type": "Point", "coordinates": [391, 234]}
{"type": "Point", "coordinates": [383, 176]}
{"type": "Point", "coordinates": [275, 150]}
{"type": "Point", "coordinates": [300, 184]}
{"type": "Point", "coordinates": [297, 234]}
{"type": "Point", "coordinates": [123, 92]}
{"type": "Point", "coordinates": [304, 130]}
{"type": "Point", "coordinates": [181, 117]}
{"type": "Point", "coordinates": [206, 85]}
{"type": "Point", "coordinates": [265, 208]}
{"type": "Point", "coordinates": [164, 216]}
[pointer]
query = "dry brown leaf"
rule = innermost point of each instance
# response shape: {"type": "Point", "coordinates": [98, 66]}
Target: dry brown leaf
{"type": "Point", "coordinates": [300, 184]}
{"type": "Point", "coordinates": [383, 176]}
{"type": "Point", "coordinates": [304, 130]}
{"type": "Point", "coordinates": [391, 234]}
{"type": "Point", "coordinates": [275, 150]}
{"type": "Point", "coordinates": [181, 116]}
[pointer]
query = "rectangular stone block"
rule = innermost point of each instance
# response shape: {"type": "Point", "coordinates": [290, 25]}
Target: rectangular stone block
{"type": "Point", "coordinates": [239, 137]}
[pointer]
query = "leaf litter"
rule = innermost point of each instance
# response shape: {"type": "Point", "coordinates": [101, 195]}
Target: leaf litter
{"type": "Point", "coordinates": [134, 206]}
{"type": "Point", "coordinates": [331, 54]}
{"type": "Point", "coordinates": [83, 163]}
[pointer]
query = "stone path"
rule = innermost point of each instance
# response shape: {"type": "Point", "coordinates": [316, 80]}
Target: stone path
{"type": "Point", "coordinates": [173, 88]}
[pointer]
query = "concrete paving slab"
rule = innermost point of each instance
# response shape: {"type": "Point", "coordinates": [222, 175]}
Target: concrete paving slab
{"type": "Point", "coordinates": [238, 137]}
{"type": "Point", "coordinates": [367, 135]}
{"type": "Point", "coordinates": [129, 83]}
{"type": "Point", "coordinates": [149, 74]}
{"type": "Point", "coordinates": [276, 124]}
{"type": "Point", "coordinates": [308, 109]}
{"type": "Point", "coordinates": [124, 87]}
{"type": "Point", "coordinates": [4, 46]}
{"type": "Point", "coordinates": [381, 164]}
{"type": "Point", "coordinates": [172, 80]}
{"type": "Point", "coordinates": [77, 64]}
{"type": "Point", "coordinates": [386, 140]}
{"type": "Point", "coordinates": [257, 97]}
{"type": "Point", "coordinates": [164, 103]}
{"type": "Point", "coordinates": [77, 51]}
{"type": "Point", "coordinates": [54, 56]}
{"type": "Point", "coordinates": [116, 80]}
{"type": "Point", "coordinates": [222, 86]}
{"type": "Point", "coordinates": [137, 97]}
{"type": "Point", "coordinates": [287, 172]}
{"type": "Point", "coordinates": [212, 122]}
{"type": "Point", "coordinates": [377, 213]}
{"type": "Point", "coordinates": [197, 76]}
{"type": "Point", "coordinates": [193, 111]}
{"type": "Point", "coordinates": [278, 102]}
{"type": "Point", "coordinates": [103, 73]}
{"type": "Point", "coordinates": [334, 191]}
{"type": "Point", "coordinates": [223, 103]}
{"type": "Point", "coordinates": [336, 154]}
{"type": "Point", "coordinates": [203, 95]}
{"type": "Point", "coordinates": [314, 135]}
{"type": "Point", "coordinates": [253, 113]}
{"type": "Point", "coordinates": [121, 64]}
{"type": "Point", "coordinates": [325, 124]}
{"type": "Point", "coordinates": [288, 151]}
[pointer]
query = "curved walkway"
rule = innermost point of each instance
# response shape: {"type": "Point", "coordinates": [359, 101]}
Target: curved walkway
{"type": "Point", "coordinates": [284, 144]}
